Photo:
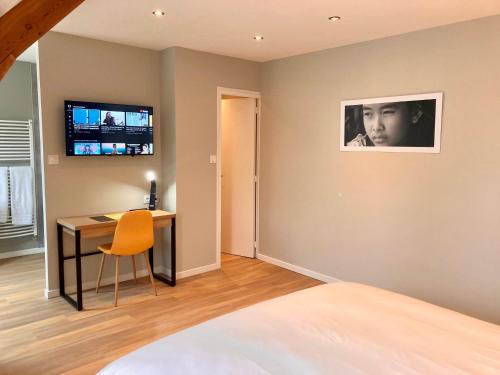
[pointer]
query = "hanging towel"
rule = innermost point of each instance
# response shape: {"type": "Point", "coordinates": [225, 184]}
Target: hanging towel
{"type": "Point", "coordinates": [4, 195]}
{"type": "Point", "coordinates": [21, 195]}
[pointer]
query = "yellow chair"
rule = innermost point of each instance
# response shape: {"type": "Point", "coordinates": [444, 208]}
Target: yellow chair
{"type": "Point", "coordinates": [133, 235]}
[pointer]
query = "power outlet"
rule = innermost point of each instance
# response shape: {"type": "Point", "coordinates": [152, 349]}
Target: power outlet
{"type": "Point", "coordinates": [146, 199]}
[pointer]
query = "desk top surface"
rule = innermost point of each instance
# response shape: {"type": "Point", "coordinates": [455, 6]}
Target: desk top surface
{"type": "Point", "coordinates": [86, 222]}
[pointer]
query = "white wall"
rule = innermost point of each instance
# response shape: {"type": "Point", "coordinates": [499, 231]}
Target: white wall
{"type": "Point", "coordinates": [421, 224]}
{"type": "Point", "coordinates": [76, 68]}
{"type": "Point", "coordinates": [425, 225]}
{"type": "Point", "coordinates": [196, 76]}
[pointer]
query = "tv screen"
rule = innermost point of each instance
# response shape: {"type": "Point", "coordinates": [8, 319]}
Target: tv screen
{"type": "Point", "coordinates": [108, 129]}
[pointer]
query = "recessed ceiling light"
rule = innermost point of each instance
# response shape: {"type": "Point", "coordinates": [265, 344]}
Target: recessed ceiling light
{"type": "Point", "coordinates": [334, 18]}
{"type": "Point", "coordinates": [159, 13]}
{"type": "Point", "coordinates": [258, 37]}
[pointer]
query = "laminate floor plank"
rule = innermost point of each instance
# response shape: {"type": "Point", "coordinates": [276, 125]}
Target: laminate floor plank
{"type": "Point", "coordinates": [39, 336]}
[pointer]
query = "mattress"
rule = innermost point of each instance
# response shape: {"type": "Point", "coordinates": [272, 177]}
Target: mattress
{"type": "Point", "coordinates": [338, 328]}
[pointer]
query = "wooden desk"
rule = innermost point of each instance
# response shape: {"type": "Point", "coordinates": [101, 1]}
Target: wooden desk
{"type": "Point", "coordinates": [82, 227]}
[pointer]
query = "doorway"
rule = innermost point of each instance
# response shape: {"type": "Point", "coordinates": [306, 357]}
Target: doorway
{"type": "Point", "coordinates": [238, 115]}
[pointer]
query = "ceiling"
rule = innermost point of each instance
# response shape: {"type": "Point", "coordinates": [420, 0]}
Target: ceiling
{"type": "Point", "coordinates": [5, 5]}
{"type": "Point", "coordinates": [289, 27]}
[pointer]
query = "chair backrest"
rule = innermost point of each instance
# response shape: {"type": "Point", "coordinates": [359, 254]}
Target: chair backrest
{"type": "Point", "coordinates": [133, 234]}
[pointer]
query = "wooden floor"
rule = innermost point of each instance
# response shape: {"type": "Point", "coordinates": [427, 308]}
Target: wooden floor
{"type": "Point", "coordinates": [39, 336]}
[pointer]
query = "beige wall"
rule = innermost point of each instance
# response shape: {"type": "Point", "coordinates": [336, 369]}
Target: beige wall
{"type": "Point", "coordinates": [421, 224]}
{"type": "Point", "coordinates": [182, 80]}
{"type": "Point", "coordinates": [197, 76]}
{"type": "Point", "coordinates": [83, 69]}
{"type": "Point", "coordinates": [425, 225]}
{"type": "Point", "coordinates": [168, 146]}
{"type": "Point", "coordinates": [168, 128]}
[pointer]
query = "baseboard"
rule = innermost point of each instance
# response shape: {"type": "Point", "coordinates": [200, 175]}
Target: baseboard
{"type": "Point", "coordinates": [187, 273]}
{"type": "Point", "coordinates": [129, 276]}
{"type": "Point", "coordinates": [298, 269]}
{"type": "Point", "coordinates": [70, 289]}
{"type": "Point", "coordinates": [196, 271]}
{"type": "Point", "coordinates": [52, 293]}
{"type": "Point", "coordinates": [162, 269]}
{"type": "Point", "coordinates": [20, 253]}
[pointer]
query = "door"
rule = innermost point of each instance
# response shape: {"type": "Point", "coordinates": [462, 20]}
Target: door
{"type": "Point", "coordinates": [238, 140]}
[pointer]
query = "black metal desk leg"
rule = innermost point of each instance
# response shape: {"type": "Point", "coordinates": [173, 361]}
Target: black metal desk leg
{"type": "Point", "coordinates": [151, 259]}
{"type": "Point", "coordinates": [60, 254]}
{"type": "Point", "coordinates": [172, 279]}
{"type": "Point", "coordinates": [172, 252]}
{"type": "Point", "coordinates": [78, 263]}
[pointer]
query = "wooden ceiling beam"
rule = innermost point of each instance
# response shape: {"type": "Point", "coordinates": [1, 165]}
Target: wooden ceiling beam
{"type": "Point", "coordinates": [26, 23]}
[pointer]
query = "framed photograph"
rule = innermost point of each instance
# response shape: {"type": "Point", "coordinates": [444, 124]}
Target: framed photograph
{"type": "Point", "coordinates": [410, 123]}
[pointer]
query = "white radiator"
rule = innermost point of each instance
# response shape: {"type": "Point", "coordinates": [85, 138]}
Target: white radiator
{"type": "Point", "coordinates": [16, 149]}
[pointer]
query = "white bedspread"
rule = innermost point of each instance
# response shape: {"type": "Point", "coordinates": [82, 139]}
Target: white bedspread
{"type": "Point", "coordinates": [339, 328]}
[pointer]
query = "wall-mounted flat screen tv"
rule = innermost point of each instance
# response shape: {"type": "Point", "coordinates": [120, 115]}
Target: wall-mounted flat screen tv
{"type": "Point", "coordinates": [108, 129]}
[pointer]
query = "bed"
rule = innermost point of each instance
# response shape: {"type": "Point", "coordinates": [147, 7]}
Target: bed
{"type": "Point", "coordinates": [338, 328]}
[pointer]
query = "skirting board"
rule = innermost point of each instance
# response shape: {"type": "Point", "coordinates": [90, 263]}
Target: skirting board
{"type": "Point", "coordinates": [92, 284]}
{"type": "Point", "coordinates": [197, 271]}
{"type": "Point", "coordinates": [298, 269]}
{"type": "Point", "coordinates": [129, 276]}
{"type": "Point", "coordinates": [20, 253]}
{"type": "Point", "coordinates": [188, 273]}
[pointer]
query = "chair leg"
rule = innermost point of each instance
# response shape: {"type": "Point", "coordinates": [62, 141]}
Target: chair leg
{"type": "Point", "coordinates": [153, 285]}
{"type": "Point", "coordinates": [133, 267]}
{"type": "Point", "coordinates": [100, 273]}
{"type": "Point", "coordinates": [117, 275]}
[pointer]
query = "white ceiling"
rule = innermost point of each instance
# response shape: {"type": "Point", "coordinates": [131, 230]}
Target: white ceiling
{"type": "Point", "coordinates": [5, 5]}
{"type": "Point", "coordinates": [289, 27]}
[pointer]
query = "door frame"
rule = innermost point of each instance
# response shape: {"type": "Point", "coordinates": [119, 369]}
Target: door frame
{"type": "Point", "coordinates": [221, 91]}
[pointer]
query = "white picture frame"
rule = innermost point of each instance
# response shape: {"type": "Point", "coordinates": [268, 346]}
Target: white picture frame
{"type": "Point", "coordinates": [414, 129]}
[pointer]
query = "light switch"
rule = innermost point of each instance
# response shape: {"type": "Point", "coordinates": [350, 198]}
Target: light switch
{"type": "Point", "coordinates": [213, 159]}
{"type": "Point", "coordinates": [53, 159]}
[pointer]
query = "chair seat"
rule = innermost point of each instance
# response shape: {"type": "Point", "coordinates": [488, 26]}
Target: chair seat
{"type": "Point", "coordinates": [133, 235]}
{"type": "Point", "coordinates": [106, 248]}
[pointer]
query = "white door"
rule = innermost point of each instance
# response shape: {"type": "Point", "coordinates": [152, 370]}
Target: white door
{"type": "Point", "coordinates": [238, 137]}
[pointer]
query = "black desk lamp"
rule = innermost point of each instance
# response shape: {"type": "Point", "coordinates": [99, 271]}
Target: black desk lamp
{"type": "Point", "coordinates": [152, 193]}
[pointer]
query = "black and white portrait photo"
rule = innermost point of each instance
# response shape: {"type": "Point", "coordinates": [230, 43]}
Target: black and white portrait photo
{"type": "Point", "coordinates": [409, 123]}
